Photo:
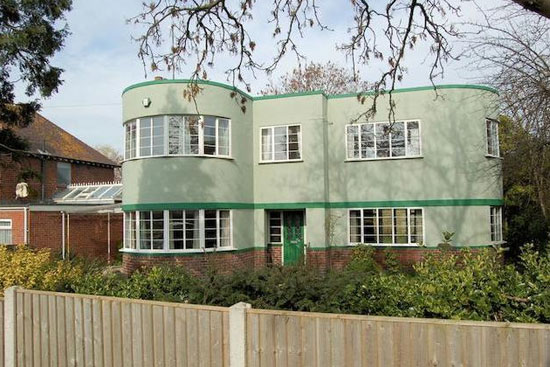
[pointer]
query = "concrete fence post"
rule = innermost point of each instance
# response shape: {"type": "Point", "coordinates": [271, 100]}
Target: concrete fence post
{"type": "Point", "coordinates": [10, 326]}
{"type": "Point", "coordinates": [237, 334]}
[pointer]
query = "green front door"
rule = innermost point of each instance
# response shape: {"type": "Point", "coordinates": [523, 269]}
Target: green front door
{"type": "Point", "coordinates": [293, 237]}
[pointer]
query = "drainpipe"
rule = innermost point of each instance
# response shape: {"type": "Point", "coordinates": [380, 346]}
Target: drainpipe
{"type": "Point", "coordinates": [109, 238]}
{"type": "Point", "coordinates": [68, 234]}
{"type": "Point", "coordinates": [63, 235]}
{"type": "Point", "coordinates": [26, 225]}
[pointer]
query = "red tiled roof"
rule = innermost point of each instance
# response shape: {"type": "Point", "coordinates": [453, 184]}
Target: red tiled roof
{"type": "Point", "coordinates": [45, 137]}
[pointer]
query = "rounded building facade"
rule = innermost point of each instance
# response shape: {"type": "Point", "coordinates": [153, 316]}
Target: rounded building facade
{"type": "Point", "coordinates": [231, 180]}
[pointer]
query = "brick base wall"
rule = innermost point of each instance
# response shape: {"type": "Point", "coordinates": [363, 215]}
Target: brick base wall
{"type": "Point", "coordinates": [227, 261]}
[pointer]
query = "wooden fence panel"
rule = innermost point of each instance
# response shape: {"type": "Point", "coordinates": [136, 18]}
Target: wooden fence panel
{"type": "Point", "coordinates": [1, 332]}
{"type": "Point", "coordinates": [282, 338]}
{"type": "Point", "coordinates": [57, 329]}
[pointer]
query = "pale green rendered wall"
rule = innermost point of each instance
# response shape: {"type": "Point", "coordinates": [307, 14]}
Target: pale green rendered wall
{"type": "Point", "coordinates": [453, 165]}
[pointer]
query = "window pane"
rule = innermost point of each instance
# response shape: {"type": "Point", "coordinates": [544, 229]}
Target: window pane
{"type": "Point", "coordinates": [130, 148]}
{"type": "Point", "coordinates": [5, 232]}
{"type": "Point", "coordinates": [355, 226]}
{"type": "Point", "coordinates": [281, 140]}
{"type": "Point", "coordinates": [176, 230]}
{"type": "Point", "coordinates": [267, 144]}
{"type": "Point", "coordinates": [225, 228]}
{"type": "Point", "coordinates": [145, 230]}
{"type": "Point", "coordinates": [294, 142]}
{"type": "Point", "coordinates": [223, 137]}
{"type": "Point", "coordinates": [192, 234]}
{"type": "Point", "coordinates": [385, 226]}
{"type": "Point", "coordinates": [145, 137]}
{"type": "Point", "coordinates": [275, 227]}
{"type": "Point", "coordinates": [367, 141]}
{"type": "Point", "coordinates": [158, 136]}
{"type": "Point", "coordinates": [352, 133]}
{"type": "Point", "coordinates": [209, 135]}
{"type": "Point", "coordinates": [496, 223]}
{"type": "Point", "coordinates": [382, 140]}
{"type": "Point", "coordinates": [400, 226]}
{"type": "Point", "coordinates": [175, 134]}
{"type": "Point", "coordinates": [191, 135]}
{"type": "Point", "coordinates": [63, 174]}
{"type": "Point", "coordinates": [130, 230]}
{"type": "Point", "coordinates": [369, 226]}
{"type": "Point", "coordinates": [415, 217]}
{"type": "Point", "coordinates": [210, 228]}
{"type": "Point", "coordinates": [413, 138]}
{"type": "Point", "coordinates": [157, 229]}
{"type": "Point", "coordinates": [398, 139]}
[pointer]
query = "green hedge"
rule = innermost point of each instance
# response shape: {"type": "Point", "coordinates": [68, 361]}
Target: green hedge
{"type": "Point", "coordinates": [465, 285]}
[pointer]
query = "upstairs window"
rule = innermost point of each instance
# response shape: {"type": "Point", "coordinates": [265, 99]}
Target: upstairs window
{"type": "Point", "coordinates": [63, 174]}
{"type": "Point", "coordinates": [281, 143]}
{"type": "Point", "coordinates": [383, 140]}
{"type": "Point", "coordinates": [178, 135]}
{"type": "Point", "coordinates": [492, 138]}
{"type": "Point", "coordinates": [5, 232]}
{"type": "Point", "coordinates": [130, 140]}
{"type": "Point", "coordinates": [496, 223]}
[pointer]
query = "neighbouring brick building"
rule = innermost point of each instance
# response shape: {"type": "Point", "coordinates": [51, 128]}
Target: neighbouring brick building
{"type": "Point", "coordinates": [44, 215]}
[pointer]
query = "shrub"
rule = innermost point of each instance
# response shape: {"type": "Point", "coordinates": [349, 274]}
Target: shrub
{"type": "Point", "coordinates": [36, 270]}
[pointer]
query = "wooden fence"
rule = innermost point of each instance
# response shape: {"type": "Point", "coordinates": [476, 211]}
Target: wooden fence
{"type": "Point", "coordinates": [56, 329]}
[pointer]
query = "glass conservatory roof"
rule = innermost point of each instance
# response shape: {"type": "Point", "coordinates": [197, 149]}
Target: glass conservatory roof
{"type": "Point", "coordinates": [105, 193]}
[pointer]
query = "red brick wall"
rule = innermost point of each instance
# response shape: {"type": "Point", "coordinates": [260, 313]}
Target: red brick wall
{"type": "Point", "coordinates": [17, 224]}
{"type": "Point", "coordinates": [332, 258]}
{"type": "Point", "coordinates": [225, 261]}
{"type": "Point", "coordinates": [86, 233]}
{"type": "Point", "coordinates": [80, 173]}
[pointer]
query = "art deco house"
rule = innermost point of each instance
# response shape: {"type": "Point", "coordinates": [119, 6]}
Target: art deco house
{"type": "Point", "coordinates": [297, 177]}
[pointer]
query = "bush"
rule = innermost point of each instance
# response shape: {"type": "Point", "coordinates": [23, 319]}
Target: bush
{"type": "Point", "coordinates": [456, 285]}
{"type": "Point", "coordinates": [36, 270]}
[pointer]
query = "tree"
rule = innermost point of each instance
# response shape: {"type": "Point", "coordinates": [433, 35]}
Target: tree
{"type": "Point", "coordinates": [514, 53]}
{"type": "Point", "coordinates": [203, 30]}
{"type": "Point", "coordinates": [30, 35]}
{"type": "Point", "coordinates": [113, 154]}
{"type": "Point", "coordinates": [328, 77]}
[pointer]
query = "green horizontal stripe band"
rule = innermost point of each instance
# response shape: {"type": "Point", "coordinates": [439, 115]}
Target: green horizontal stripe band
{"type": "Point", "coordinates": [317, 204]}
{"type": "Point", "coordinates": [307, 93]}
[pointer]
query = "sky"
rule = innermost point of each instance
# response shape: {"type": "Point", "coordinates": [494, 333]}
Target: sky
{"type": "Point", "coordinates": [100, 60]}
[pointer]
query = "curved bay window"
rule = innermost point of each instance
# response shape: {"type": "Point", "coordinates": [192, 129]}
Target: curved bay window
{"type": "Point", "coordinates": [178, 135]}
{"type": "Point", "coordinates": [178, 230]}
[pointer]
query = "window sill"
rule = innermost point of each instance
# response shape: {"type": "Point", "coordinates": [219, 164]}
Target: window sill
{"type": "Point", "coordinates": [197, 251]}
{"type": "Point", "coordinates": [382, 159]}
{"type": "Point", "coordinates": [383, 244]}
{"type": "Point", "coordinates": [493, 156]}
{"type": "Point", "coordinates": [277, 162]}
{"type": "Point", "coordinates": [181, 156]}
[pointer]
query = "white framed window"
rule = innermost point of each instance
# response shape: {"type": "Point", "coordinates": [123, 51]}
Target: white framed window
{"type": "Point", "coordinates": [281, 143]}
{"type": "Point", "coordinates": [5, 232]}
{"type": "Point", "coordinates": [275, 225]}
{"type": "Point", "coordinates": [178, 135]}
{"type": "Point", "coordinates": [130, 140]}
{"type": "Point", "coordinates": [496, 223]}
{"type": "Point", "coordinates": [386, 226]}
{"type": "Point", "coordinates": [493, 148]}
{"type": "Point", "coordinates": [178, 230]}
{"type": "Point", "coordinates": [382, 140]}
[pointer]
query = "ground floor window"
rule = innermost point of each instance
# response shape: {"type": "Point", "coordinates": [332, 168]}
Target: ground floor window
{"type": "Point", "coordinates": [5, 232]}
{"type": "Point", "coordinates": [275, 227]}
{"type": "Point", "coordinates": [496, 223]}
{"type": "Point", "coordinates": [386, 226]}
{"type": "Point", "coordinates": [178, 230]}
